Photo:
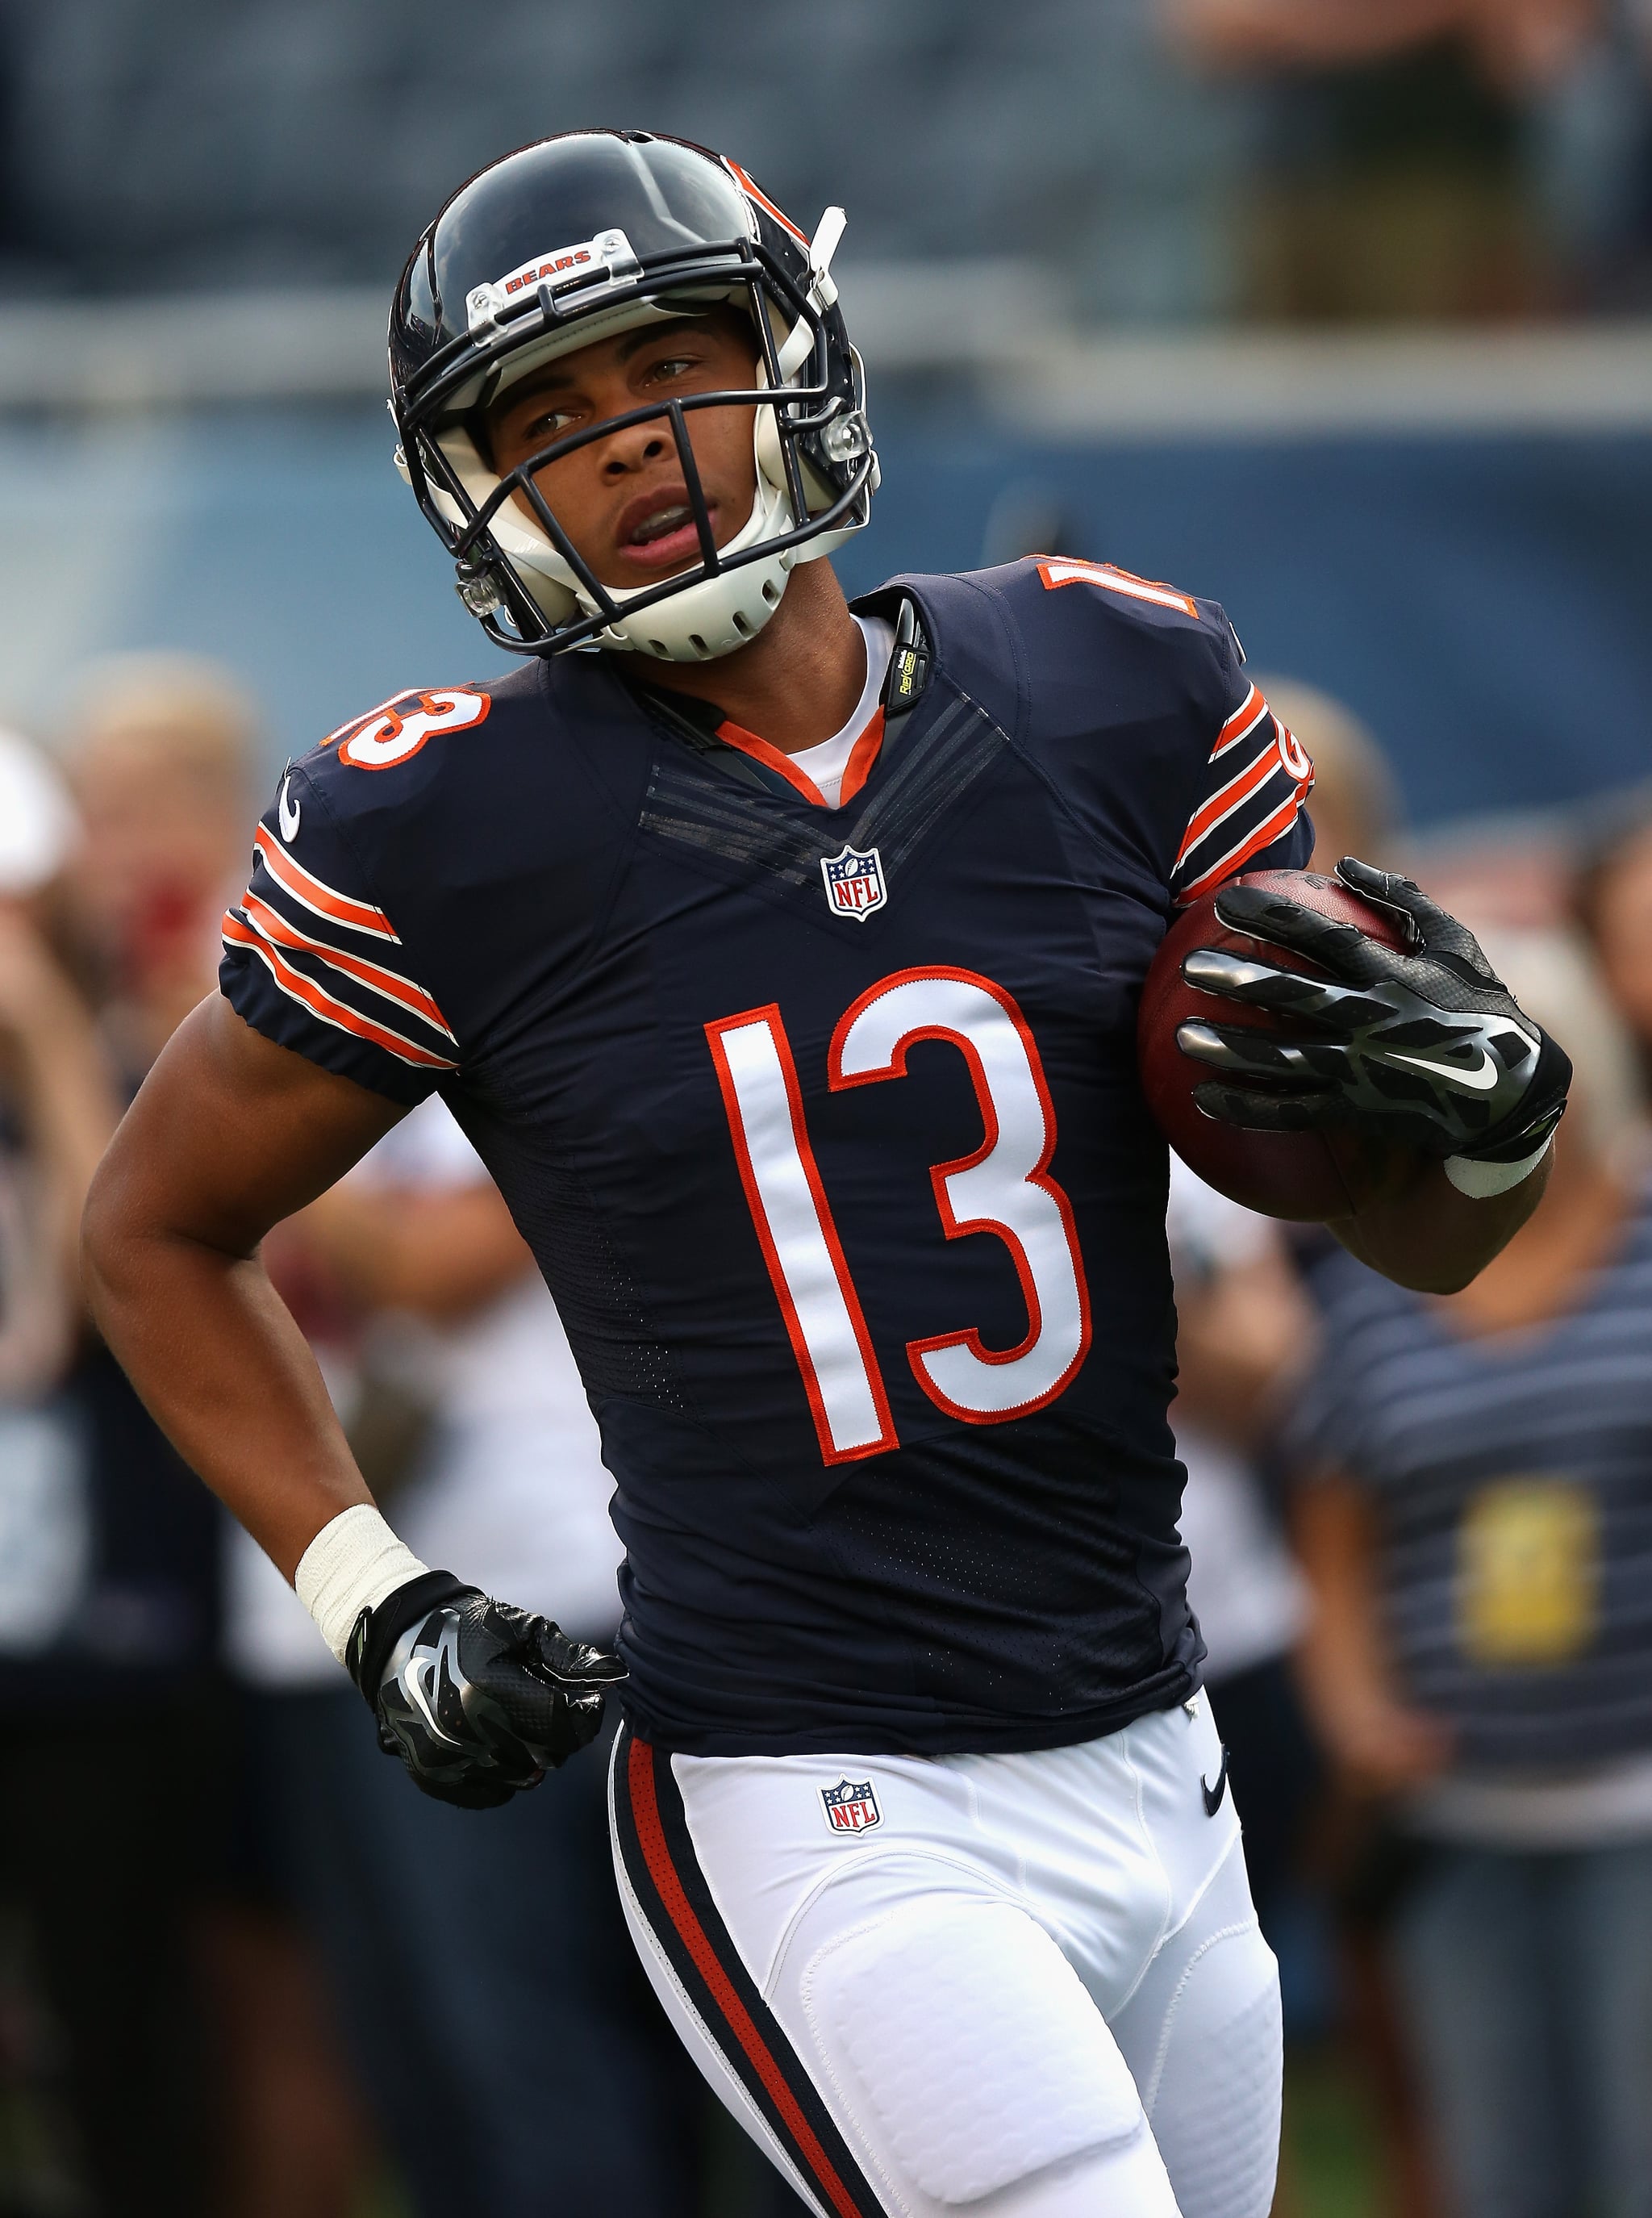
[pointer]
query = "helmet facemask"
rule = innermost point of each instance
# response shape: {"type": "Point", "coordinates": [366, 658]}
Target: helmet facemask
{"type": "Point", "coordinates": [815, 469]}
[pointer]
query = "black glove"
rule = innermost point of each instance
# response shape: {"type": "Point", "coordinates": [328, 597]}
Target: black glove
{"type": "Point", "coordinates": [478, 1699]}
{"type": "Point", "coordinates": [1426, 1047]}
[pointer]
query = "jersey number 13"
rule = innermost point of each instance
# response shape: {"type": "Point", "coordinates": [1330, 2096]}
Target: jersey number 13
{"type": "Point", "coordinates": [1003, 1187]}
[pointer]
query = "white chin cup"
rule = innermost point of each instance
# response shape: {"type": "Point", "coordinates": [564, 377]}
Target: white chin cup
{"type": "Point", "coordinates": [715, 618]}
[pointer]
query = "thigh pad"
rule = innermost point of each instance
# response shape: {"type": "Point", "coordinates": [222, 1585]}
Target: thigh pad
{"type": "Point", "coordinates": [966, 2045]}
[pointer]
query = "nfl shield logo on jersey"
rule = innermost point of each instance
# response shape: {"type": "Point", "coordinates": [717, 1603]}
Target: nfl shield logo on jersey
{"type": "Point", "coordinates": [851, 1806]}
{"type": "Point", "coordinates": [854, 882]}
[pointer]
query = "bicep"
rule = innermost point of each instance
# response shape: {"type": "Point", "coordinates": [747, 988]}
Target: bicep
{"type": "Point", "coordinates": [231, 1133]}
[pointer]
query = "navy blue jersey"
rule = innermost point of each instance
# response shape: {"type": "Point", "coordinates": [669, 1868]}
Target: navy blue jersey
{"type": "Point", "coordinates": [825, 1128]}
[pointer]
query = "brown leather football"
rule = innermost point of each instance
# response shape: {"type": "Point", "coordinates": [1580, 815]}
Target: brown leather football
{"type": "Point", "coordinates": [1308, 1176]}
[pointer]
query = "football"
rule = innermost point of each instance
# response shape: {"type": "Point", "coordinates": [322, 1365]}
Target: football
{"type": "Point", "coordinates": [1306, 1176]}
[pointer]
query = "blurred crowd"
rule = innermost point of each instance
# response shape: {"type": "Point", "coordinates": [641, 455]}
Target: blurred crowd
{"type": "Point", "coordinates": [246, 1973]}
{"type": "Point", "coordinates": [244, 1970]}
{"type": "Point", "coordinates": [1169, 160]}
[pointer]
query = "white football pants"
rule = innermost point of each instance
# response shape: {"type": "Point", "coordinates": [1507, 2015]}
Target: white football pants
{"type": "Point", "coordinates": [1025, 1986]}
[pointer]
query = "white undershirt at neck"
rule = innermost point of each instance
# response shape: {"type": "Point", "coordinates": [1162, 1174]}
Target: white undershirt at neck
{"type": "Point", "coordinates": [825, 763]}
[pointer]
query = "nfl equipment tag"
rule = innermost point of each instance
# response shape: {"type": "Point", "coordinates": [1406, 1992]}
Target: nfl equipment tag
{"type": "Point", "coordinates": [854, 882]}
{"type": "Point", "coordinates": [851, 1807]}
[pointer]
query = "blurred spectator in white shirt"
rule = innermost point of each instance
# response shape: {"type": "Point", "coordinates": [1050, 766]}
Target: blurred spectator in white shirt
{"type": "Point", "coordinates": [449, 1935]}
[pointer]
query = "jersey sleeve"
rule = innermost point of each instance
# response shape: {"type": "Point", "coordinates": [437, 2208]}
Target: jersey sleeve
{"type": "Point", "coordinates": [313, 963]}
{"type": "Point", "coordinates": [1248, 813]}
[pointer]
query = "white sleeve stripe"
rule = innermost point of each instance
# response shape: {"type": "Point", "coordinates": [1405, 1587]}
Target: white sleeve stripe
{"type": "Point", "coordinates": [321, 899]}
{"type": "Point", "coordinates": [270, 925]}
{"type": "Point", "coordinates": [1264, 834]}
{"type": "Point", "coordinates": [1235, 729]}
{"type": "Point", "coordinates": [311, 997]}
{"type": "Point", "coordinates": [1254, 783]}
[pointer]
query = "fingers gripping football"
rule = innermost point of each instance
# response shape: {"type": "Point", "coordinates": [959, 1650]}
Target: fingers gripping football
{"type": "Point", "coordinates": [479, 1699]}
{"type": "Point", "coordinates": [1423, 1045]}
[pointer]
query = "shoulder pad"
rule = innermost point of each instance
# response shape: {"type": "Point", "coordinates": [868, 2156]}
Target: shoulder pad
{"type": "Point", "coordinates": [399, 727]}
{"type": "Point", "coordinates": [1121, 592]}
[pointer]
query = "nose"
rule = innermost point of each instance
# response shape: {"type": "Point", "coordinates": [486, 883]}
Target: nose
{"type": "Point", "coordinates": [635, 449]}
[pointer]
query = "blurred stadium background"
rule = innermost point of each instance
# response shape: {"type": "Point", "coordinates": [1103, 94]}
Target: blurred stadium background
{"type": "Point", "coordinates": [1354, 347]}
{"type": "Point", "coordinates": [1338, 310]}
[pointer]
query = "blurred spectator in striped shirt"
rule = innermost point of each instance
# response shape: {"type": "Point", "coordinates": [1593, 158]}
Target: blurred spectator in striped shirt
{"type": "Point", "coordinates": [1612, 902]}
{"type": "Point", "coordinates": [1475, 1522]}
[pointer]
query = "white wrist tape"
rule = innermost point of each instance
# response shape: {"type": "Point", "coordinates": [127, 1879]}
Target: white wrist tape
{"type": "Point", "coordinates": [1480, 1181]}
{"type": "Point", "coordinates": [351, 1564]}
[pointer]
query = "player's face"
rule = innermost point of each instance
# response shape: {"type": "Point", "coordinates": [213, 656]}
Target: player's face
{"type": "Point", "coordinates": [622, 501]}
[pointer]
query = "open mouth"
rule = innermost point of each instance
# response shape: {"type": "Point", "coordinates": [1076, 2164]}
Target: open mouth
{"type": "Point", "coordinates": [662, 524]}
{"type": "Point", "coordinates": [662, 537]}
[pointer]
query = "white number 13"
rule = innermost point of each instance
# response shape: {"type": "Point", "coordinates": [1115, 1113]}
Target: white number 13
{"type": "Point", "coordinates": [1003, 1187]}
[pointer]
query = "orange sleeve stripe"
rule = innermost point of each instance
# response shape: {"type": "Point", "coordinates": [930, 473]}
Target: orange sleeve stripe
{"type": "Point", "coordinates": [305, 887]}
{"type": "Point", "coordinates": [1264, 836]}
{"type": "Point", "coordinates": [322, 1005]}
{"type": "Point", "coordinates": [394, 988]}
{"type": "Point", "coordinates": [1244, 719]}
{"type": "Point", "coordinates": [1234, 795]}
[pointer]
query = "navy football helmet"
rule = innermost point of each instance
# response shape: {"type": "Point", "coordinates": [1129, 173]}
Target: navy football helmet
{"type": "Point", "coordinates": [573, 240]}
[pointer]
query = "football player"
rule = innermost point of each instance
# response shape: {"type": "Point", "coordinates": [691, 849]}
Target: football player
{"type": "Point", "coordinates": [781, 959]}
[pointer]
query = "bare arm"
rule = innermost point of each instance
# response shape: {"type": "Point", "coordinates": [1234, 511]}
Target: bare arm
{"type": "Point", "coordinates": [1379, 1743]}
{"type": "Point", "coordinates": [1419, 1231]}
{"type": "Point", "coordinates": [229, 1134]}
{"type": "Point", "coordinates": [1437, 1096]}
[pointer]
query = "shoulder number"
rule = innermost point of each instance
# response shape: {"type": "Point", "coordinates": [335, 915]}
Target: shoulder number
{"type": "Point", "coordinates": [1003, 1187]}
{"type": "Point", "coordinates": [399, 727]}
{"type": "Point", "coordinates": [1108, 578]}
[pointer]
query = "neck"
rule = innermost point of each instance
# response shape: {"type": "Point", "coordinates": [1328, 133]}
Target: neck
{"type": "Point", "coordinates": [798, 682]}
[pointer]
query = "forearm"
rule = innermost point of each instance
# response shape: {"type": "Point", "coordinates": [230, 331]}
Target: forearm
{"type": "Point", "coordinates": [228, 1136]}
{"type": "Point", "coordinates": [227, 1374]}
{"type": "Point", "coordinates": [1421, 1232]}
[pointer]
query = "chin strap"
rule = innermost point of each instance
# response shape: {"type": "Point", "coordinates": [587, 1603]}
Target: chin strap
{"type": "Point", "coordinates": [823, 292]}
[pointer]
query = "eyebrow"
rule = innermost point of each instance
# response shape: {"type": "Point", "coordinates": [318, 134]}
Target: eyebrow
{"type": "Point", "coordinates": [551, 379]}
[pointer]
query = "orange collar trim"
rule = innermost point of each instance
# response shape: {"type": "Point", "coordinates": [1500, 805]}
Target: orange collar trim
{"type": "Point", "coordinates": [859, 769]}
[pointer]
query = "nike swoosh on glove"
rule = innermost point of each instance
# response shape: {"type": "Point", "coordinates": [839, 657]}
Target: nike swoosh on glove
{"type": "Point", "coordinates": [1427, 1047]}
{"type": "Point", "coordinates": [479, 1701]}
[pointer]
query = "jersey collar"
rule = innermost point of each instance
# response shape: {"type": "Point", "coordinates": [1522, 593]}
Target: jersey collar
{"type": "Point", "coordinates": [750, 760]}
